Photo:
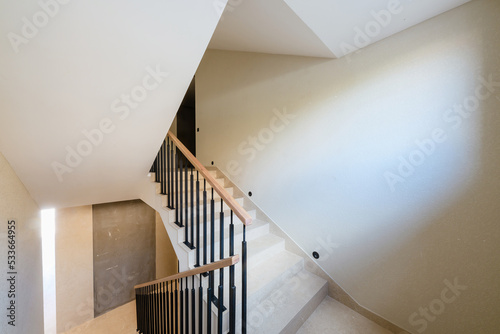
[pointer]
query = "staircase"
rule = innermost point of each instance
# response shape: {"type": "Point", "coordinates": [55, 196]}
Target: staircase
{"type": "Point", "coordinates": [282, 294]}
{"type": "Point", "coordinates": [236, 275]}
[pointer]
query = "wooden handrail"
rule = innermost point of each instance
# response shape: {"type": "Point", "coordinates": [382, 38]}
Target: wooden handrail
{"type": "Point", "coordinates": [200, 270]}
{"type": "Point", "coordinates": [228, 199]}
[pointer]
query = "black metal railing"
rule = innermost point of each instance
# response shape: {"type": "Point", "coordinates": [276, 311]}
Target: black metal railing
{"type": "Point", "coordinates": [175, 304]}
{"type": "Point", "coordinates": [194, 196]}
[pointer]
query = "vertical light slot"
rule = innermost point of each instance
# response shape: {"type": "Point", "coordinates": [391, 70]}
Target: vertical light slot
{"type": "Point", "coordinates": [49, 271]}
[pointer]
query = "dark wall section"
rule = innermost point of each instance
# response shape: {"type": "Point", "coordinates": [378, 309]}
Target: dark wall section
{"type": "Point", "coordinates": [124, 252]}
{"type": "Point", "coordinates": [186, 120]}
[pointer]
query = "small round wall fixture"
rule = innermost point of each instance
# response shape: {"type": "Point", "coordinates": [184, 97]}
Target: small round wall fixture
{"type": "Point", "coordinates": [316, 255]}
{"type": "Point", "coordinates": [212, 163]}
{"type": "Point", "coordinates": [249, 194]}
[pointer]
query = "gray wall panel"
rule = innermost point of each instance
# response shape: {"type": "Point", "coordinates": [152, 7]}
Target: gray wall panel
{"type": "Point", "coordinates": [124, 251]}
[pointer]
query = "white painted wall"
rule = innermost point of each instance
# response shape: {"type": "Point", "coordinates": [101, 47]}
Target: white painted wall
{"type": "Point", "coordinates": [17, 205]}
{"type": "Point", "coordinates": [322, 171]}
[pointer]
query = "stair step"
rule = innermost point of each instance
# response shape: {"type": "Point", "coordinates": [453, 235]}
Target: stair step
{"type": "Point", "coordinates": [220, 181]}
{"type": "Point", "coordinates": [269, 247]}
{"type": "Point", "coordinates": [227, 219]}
{"type": "Point", "coordinates": [270, 274]}
{"type": "Point", "coordinates": [287, 308]}
{"type": "Point", "coordinates": [213, 173]}
{"type": "Point", "coordinates": [262, 248]}
{"type": "Point", "coordinates": [258, 229]}
{"type": "Point", "coordinates": [217, 208]}
{"type": "Point", "coordinates": [230, 191]}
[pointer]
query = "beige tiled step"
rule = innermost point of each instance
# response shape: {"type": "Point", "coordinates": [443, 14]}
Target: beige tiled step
{"type": "Point", "coordinates": [217, 207]}
{"type": "Point", "coordinates": [333, 317]}
{"type": "Point", "coordinates": [286, 308]}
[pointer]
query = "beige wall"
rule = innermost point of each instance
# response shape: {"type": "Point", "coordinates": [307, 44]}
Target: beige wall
{"type": "Point", "coordinates": [374, 161]}
{"type": "Point", "coordinates": [74, 264]}
{"type": "Point", "coordinates": [74, 267]}
{"type": "Point", "coordinates": [17, 204]}
{"type": "Point", "coordinates": [166, 260]}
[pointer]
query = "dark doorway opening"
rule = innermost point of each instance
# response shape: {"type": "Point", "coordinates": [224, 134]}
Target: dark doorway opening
{"type": "Point", "coordinates": [186, 120]}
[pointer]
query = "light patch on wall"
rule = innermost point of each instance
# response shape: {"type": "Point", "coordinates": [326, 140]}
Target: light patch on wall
{"type": "Point", "coordinates": [49, 270]}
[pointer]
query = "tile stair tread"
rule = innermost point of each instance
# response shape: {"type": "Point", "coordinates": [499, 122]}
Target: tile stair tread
{"type": "Point", "coordinates": [227, 214]}
{"type": "Point", "coordinates": [254, 231]}
{"type": "Point", "coordinates": [289, 299]}
{"type": "Point", "coordinates": [265, 246]}
{"type": "Point", "coordinates": [273, 271]}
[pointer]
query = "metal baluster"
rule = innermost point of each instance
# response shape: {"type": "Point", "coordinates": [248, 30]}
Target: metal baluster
{"type": "Point", "coordinates": [150, 320]}
{"type": "Point", "coordinates": [172, 307]}
{"type": "Point", "coordinates": [221, 270]}
{"type": "Point", "coordinates": [244, 283]}
{"type": "Point", "coordinates": [138, 301]}
{"type": "Point", "coordinates": [212, 242]}
{"type": "Point", "coordinates": [205, 218]}
{"type": "Point", "coordinates": [160, 168]}
{"type": "Point", "coordinates": [176, 296]}
{"type": "Point", "coordinates": [186, 300]}
{"type": "Point", "coordinates": [186, 196]}
{"type": "Point", "coordinates": [157, 309]}
{"type": "Point", "coordinates": [197, 264]}
{"type": "Point", "coordinates": [181, 220]}
{"type": "Point", "coordinates": [160, 172]}
{"type": "Point", "coordinates": [153, 315]}
{"type": "Point", "coordinates": [191, 242]}
{"type": "Point", "coordinates": [232, 286]}
{"type": "Point", "coordinates": [209, 301]}
{"type": "Point", "coordinates": [157, 169]}
{"type": "Point", "coordinates": [193, 306]}
{"type": "Point", "coordinates": [153, 308]}
{"type": "Point", "coordinates": [137, 310]}
{"type": "Point", "coordinates": [152, 169]}
{"type": "Point", "coordinates": [162, 308]}
{"type": "Point", "coordinates": [148, 314]}
{"type": "Point", "coordinates": [177, 221]}
{"type": "Point", "coordinates": [200, 305]}
{"type": "Point", "coordinates": [163, 169]}
{"type": "Point", "coordinates": [181, 307]}
{"type": "Point", "coordinates": [212, 228]}
{"type": "Point", "coordinates": [146, 310]}
{"type": "Point", "coordinates": [166, 324]}
{"type": "Point", "coordinates": [169, 194]}
{"type": "Point", "coordinates": [172, 170]}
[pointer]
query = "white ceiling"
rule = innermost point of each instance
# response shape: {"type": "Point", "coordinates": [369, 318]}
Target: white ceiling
{"type": "Point", "coordinates": [61, 79]}
{"type": "Point", "coordinates": [66, 76]}
{"type": "Point", "coordinates": [266, 26]}
{"type": "Point", "coordinates": [320, 28]}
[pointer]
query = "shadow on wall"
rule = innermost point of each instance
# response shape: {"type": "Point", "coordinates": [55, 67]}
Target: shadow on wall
{"type": "Point", "coordinates": [443, 196]}
{"type": "Point", "coordinates": [388, 166]}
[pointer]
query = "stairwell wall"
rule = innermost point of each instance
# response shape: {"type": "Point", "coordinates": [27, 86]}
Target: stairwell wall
{"type": "Point", "coordinates": [384, 162]}
{"type": "Point", "coordinates": [17, 205]}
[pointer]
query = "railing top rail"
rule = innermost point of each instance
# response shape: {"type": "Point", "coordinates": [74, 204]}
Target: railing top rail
{"type": "Point", "coordinates": [228, 199]}
{"type": "Point", "coordinates": [200, 270]}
